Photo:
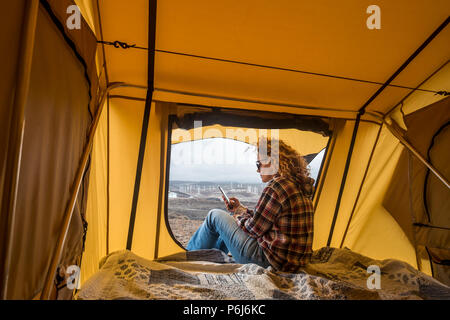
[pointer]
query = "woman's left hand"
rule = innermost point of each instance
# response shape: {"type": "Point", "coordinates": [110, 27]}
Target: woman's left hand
{"type": "Point", "coordinates": [232, 205]}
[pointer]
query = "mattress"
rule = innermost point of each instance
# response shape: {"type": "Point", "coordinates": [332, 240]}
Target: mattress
{"type": "Point", "coordinates": [211, 274]}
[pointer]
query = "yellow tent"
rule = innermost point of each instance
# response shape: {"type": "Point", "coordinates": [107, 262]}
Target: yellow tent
{"type": "Point", "coordinates": [90, 112]}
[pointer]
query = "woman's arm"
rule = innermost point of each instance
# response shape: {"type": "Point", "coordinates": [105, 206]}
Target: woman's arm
{"type": "Point", "coordinates": [266, 211]}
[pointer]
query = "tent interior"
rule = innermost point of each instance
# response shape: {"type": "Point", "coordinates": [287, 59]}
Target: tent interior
{"type": "Point", "coordinates": [90, 114]}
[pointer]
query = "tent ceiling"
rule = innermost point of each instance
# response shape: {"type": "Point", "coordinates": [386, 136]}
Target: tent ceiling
{"type": "Point", "coordinates": [320, 37]}
{"type": "Point", "coordinates": [126, 21]}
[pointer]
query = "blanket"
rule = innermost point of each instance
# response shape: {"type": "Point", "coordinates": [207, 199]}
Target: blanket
{"type": "Point", "coordinates": [211, 274]}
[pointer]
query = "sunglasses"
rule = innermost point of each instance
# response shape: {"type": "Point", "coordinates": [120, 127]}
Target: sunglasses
{"type": "Point", "coordinates": [259, 165]}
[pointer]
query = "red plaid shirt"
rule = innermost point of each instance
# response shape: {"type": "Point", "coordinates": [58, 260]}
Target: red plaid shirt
{"type": "Point", "coordinates": [282, 223]}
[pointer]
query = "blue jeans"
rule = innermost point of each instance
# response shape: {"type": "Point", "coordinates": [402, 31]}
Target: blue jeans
{"type": "Point", "coordinates": [220, 231]}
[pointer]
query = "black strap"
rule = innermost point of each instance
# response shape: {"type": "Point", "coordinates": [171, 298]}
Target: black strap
{"type": "Point", "coordinates": [344, 178]}
{"type": "Point", "coordinates": [427, 175]}
{"type": "Point", "coordinates": [145, 121]}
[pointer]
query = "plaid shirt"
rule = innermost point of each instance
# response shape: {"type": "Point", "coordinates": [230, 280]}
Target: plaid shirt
{"type": "Point", "coordinates": [282, 223]}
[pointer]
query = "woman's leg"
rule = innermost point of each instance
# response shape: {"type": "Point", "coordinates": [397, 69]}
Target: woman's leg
{"type": "Point", "coordinates": [220, 231]}
{"type": "Point", "coordinates": [206, 236]}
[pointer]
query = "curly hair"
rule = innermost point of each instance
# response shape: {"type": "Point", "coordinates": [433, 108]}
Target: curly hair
{"type": "Point", "coordinates": [291, 165]}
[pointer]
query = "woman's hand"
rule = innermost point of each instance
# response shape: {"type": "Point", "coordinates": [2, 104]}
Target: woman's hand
{"type": "Point", "coordinates": [232, 205]}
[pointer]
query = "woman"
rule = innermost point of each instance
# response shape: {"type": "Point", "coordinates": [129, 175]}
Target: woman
{"type": "Point", "coordinates": [279, 232]}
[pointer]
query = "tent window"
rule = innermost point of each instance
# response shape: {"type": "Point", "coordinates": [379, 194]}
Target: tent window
{"type": "Point", "coordinates": [204, 158]}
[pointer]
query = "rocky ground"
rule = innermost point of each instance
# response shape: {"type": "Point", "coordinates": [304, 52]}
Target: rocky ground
{"type": "Point", "coordinates": [183, 228]}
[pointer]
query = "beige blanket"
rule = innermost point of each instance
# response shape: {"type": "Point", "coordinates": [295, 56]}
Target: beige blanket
{"type": "Point", "coordinates": [210, 274]}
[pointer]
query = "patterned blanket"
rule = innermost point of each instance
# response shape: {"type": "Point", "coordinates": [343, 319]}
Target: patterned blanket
{"type": "Point", "coordinates": [211, 274]}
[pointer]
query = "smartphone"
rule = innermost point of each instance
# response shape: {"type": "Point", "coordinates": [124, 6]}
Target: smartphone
{"type": "Point", "coordinates": [224, 195]}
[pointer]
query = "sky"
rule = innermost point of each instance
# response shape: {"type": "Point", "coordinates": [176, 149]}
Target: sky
{"type": "Point", "coordinates": [219, 159]}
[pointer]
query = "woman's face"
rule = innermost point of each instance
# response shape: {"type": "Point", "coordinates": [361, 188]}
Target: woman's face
{"type": "Point", "coordinates": [260, 166]}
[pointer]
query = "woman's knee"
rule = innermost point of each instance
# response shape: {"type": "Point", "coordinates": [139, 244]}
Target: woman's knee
{"type": "Point", "coordinates": [215, 216]}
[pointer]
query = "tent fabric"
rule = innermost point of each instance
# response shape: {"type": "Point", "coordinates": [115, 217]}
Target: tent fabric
{"type": "Point", "coordinates": [416, 198]}
{"type": "Point", "coordinates": [429, 197]}
{"type": "Point", "coordinates": [328, 197]}
{"type": "Point", "coordinates": [262, 33]}
{"type": "Point", "coordinates": [427, 141]}
{"type": "Point", "coordinates": [124, 132]}
{"type": "Point", "coordinates": [87, 9]}
{"type": "Point", "coordinates": [10, 27]}
{"type": "Point", "coordinates": [397, 197]}
{"type": "Point", "coordinates": [58, 115]}
{"type": "Point", "coordinates": [83, 43]}
{"type": "Point", "coordinates": [46, 181]}
{"type": "Point", "coordinates": [372, 229]}
{"type": "Point", "coordinates": [437, 197]}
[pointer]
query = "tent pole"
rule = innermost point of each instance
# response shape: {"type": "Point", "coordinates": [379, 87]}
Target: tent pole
{"type": "Point", "coordinates": [108, 175]}
{"type": "Point", "coordinates": [74, 195]}
{"type": "Point", "coordinates": [14, 152]}
{"type": "Point", "coordinates": [416, 153]}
